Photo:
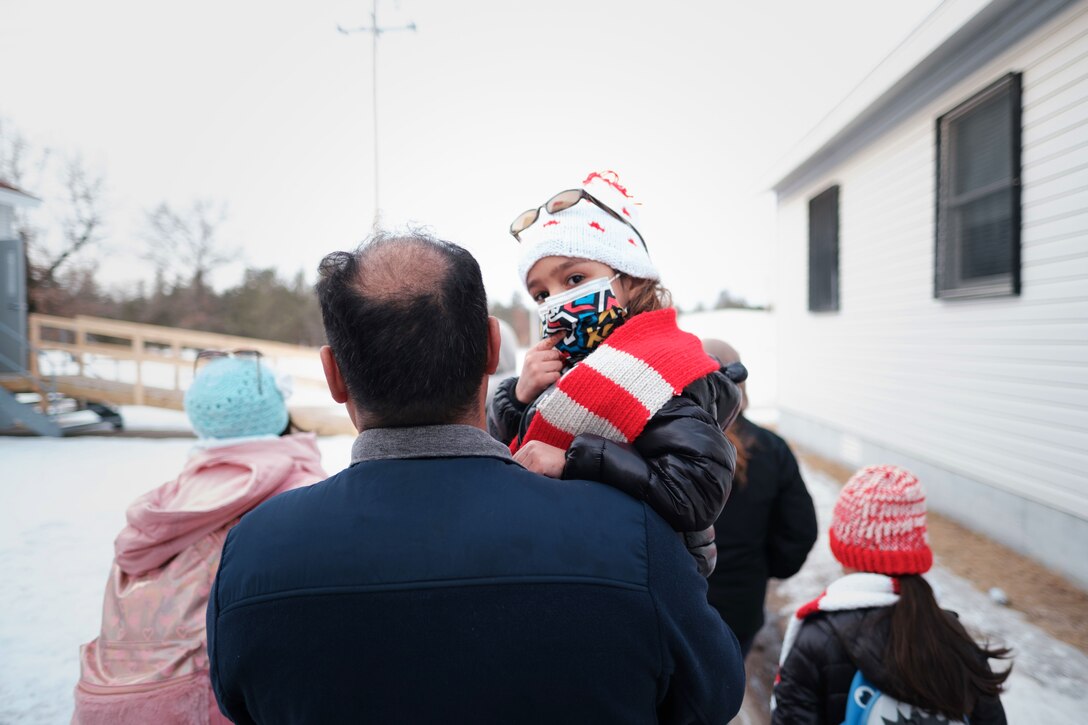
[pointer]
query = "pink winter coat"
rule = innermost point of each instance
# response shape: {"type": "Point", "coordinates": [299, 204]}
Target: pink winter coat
{"type": "Point", "coordinates": [149, 664]}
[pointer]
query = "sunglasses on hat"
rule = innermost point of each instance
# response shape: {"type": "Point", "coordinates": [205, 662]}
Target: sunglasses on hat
{"type": "Point", "coordinates": [255, 355]}
{"type": "Point", "coordinates": [559, 202]}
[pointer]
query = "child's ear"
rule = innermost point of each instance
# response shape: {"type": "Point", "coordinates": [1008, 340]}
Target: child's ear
{"type": "Point", "coordinates": [494, 342]}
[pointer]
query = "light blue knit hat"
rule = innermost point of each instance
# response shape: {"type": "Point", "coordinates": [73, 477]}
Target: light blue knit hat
{"type": "Point", "coordinates": [225, 400]}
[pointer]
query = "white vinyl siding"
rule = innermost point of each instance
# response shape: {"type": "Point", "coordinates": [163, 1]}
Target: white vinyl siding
{"type": "Point", "coordinates": [994, 390]}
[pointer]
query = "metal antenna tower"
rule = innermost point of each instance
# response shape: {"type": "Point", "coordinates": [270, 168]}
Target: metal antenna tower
{"type": "Point", "coordinates": [375, 30]}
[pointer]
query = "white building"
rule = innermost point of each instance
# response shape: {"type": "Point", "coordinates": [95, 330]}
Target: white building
{"type": "Point", "coordinates": [932, 300]}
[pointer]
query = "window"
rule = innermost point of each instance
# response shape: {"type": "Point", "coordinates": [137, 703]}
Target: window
{"type": "Point", "coordinates": [823, 251]}
{"type": "Point", "coordinates": [978, 195]}
{"type": "Point", "coordinates": [13, 270]}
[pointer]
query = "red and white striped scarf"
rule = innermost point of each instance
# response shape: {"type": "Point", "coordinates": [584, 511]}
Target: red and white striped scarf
{"type": "Point", "coordinates": [853, 591]}
{"type": "Point", "coordinates": [615, 391]}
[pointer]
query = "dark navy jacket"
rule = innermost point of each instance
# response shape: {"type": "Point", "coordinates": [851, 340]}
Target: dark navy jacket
{"type": "Point", "coordinates": [463, 589]}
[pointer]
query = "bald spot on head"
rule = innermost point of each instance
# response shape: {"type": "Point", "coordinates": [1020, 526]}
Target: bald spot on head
{"type": "Point", "coordinates": [726, 354]}
{"type": "Point", "coordinates": [401, 267]}
{"type": "Point", "coordinates": [722, 350]}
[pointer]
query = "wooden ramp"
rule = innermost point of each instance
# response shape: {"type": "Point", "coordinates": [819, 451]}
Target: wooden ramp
{"type": "Point", "coordinates": [124, 363]}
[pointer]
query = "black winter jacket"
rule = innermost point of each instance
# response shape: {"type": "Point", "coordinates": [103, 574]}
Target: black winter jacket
{"type": "Point", "coordinates": [829, 649]}
{"type": "Point", "coordinates": [765, 530]}
{"type": "Point", "coordinates": [681, 464]}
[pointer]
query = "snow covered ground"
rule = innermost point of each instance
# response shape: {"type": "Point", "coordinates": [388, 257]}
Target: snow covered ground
{"type": "Point", "coordinates": [147, 418]}
{"type": "Point", "coordinates": [63, 501]}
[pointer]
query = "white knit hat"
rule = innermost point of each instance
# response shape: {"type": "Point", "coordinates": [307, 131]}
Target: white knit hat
{"type": "Point", "coordinates": [586, 231]}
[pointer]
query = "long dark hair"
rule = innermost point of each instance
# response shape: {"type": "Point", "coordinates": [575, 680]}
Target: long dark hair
{"type": "Point", "coordinates": [743, 442]}
{"type": "Point", "coordinates": [935, 662]}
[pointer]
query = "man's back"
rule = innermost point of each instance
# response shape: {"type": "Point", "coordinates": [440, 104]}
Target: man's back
{"type": "Point", "coordinates": [464, 589]}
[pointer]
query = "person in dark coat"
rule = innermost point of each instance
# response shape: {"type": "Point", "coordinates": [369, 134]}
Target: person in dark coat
{"type": "Point", "coordinates": [435, 579]}
{"type": "Point", "coordinates": [767, 527]}
{"type": "Point", "coordinates": [882, 619]}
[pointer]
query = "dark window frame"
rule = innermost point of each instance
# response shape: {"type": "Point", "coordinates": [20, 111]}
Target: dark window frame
{"type": "Point", "coordinates": [823, 253]}
{"type": "Point", "coordinates": [947, 281]}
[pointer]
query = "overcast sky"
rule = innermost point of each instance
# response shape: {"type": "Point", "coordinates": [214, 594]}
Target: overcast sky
{"type": "Point", "coordinates": [490, 108]}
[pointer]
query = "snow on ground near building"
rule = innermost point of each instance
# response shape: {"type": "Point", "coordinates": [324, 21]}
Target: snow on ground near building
{"type": "Point", "coordinates": [62, 502]}
{"type": "Point", "coordinates": [1049, 677]}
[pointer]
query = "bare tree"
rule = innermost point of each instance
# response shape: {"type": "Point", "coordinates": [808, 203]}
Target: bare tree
{"type": "Point", "coordinates": [73, 215]}
{"type": "Point", "coordinates": [187, 242]}
{"type": "Point", "coordinates": [20, 163]}
{"type": "Point", "coordinates": [24, 166]}
{"type": "Point", "coordinates": [81, 225]}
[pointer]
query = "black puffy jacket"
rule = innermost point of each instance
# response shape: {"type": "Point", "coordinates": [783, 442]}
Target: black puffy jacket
{"type": "Point", "coordinates": [766, 530]}
{"type": "Point", "coordinates": [681, 463]}
{"type": "Point", "coordinates": [829, 649]}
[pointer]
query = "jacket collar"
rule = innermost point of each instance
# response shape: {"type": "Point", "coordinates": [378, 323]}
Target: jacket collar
{"type": "Point", "coordinates": [430, 441]}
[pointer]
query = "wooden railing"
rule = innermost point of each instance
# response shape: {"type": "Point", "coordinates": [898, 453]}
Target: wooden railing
{"type": "Point", "coordinates": [91, 340]}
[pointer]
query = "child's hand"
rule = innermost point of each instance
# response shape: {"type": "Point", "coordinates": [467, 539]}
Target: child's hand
{"type": "Point", "coordinates": [543, 366]}
{"type": "Point", "coordinates": [542, 458]}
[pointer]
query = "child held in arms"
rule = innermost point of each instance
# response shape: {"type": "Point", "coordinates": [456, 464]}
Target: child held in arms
{"type": "Point", "coordinates": [615, 392]}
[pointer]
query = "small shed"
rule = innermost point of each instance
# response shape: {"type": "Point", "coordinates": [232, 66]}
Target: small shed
{"type": "Point", "coordinates": [932, 299]}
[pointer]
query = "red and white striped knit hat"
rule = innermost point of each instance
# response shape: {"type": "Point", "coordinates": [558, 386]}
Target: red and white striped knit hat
{"type": "Point", "coordinates": [879, 523]}
{"type": "Point", "coordinates": [586, 231]}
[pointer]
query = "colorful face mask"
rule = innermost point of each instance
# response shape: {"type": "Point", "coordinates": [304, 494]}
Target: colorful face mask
{"type": "Point", "coordinates": [586, 314]}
